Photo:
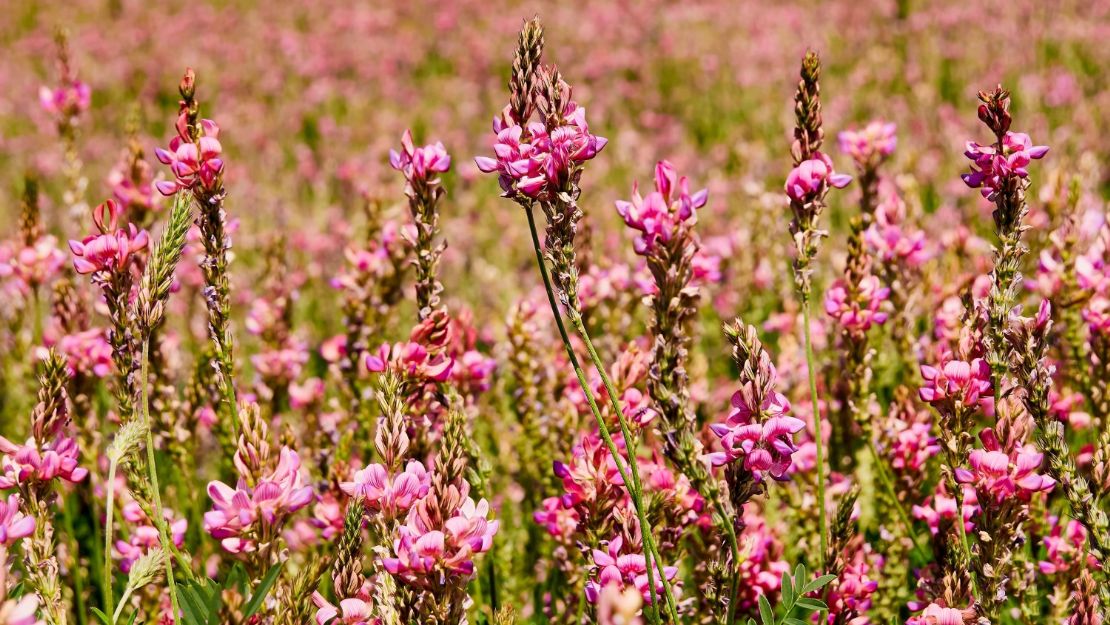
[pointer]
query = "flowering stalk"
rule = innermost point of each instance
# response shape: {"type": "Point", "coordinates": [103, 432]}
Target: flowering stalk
{"type": "Point", "coordinates": [195, 158]}
{"type": "Point", "coordinates": [126, 442]}
{"type": "Point", "coordinates": [544, 166]}
{"type": "Point", "coordinates": [425, 192]}
{"type": "Point", "coordinates": [66, 103]}
{"type": "Point", "coordinates": [806, 186]}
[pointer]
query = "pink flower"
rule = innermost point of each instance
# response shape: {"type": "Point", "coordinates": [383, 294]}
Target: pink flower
{"type": "Point", "coordinates": [851, 593]}
{"type": "Point", "coordinates": [32, 265]}
{"type": "Point", "coordinates": [991, 167]}
{"type": "Point", "coordinates": [416, 163]}
{"type": "Point", "coordinates": [13, 523]}
{"type": "Point", "coordinates": [239, 514]}
{"type": "Point", "coordinates": [559, 521]}
{"type": "Point", "coordinates": [426, 555]}
{"type": "Point", "coordinates": [87, 352]}
{"type": "Point", "coordinates": [811, 178]}
{"type": "Point", "coordinates": [193, 164]}
{"type": "Point", "coordinates": [111, 250]}
{"type": "Point", "coordinates": [411, 359]}
{"type": "Point", "coordinates": [389, 494]}
{"type": "Point", "coordinates": [871, 144]}
{"type": "Point", "coordinates": [1003, 474]}
{"type": "Point", "coordinates": [27, 462]}
{"type": "Point", "coordinates": [144, 535]}
{"type": "Point", "coordinates": [938, 615]}
{"type": "Point", "coordinates": [660, 215]}
{"type": "Point", "coordinates": [912, 447]}
{"type": "Point", "coordinates": [859, 313]}
{"type": "Point", "coordinates": [21, 611]}
{"type": "Point", "coordinates": [67, 100]}
{"type": "Point", "coordinates": [1066, 548]}
{"type": "Point", "coordinates": [625, 569]}
{"type": "Point", "coordinates": [351, 611]}
{"type": "Point", "coordinates": [957, 380]}
{"type": "Point", "coordinates": [942, 507]}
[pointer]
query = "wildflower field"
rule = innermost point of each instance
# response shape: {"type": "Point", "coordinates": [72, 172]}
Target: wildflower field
{"type": "Point", "coordinates": [629, 313]}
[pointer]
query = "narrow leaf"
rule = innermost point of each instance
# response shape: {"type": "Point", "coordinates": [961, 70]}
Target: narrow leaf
{"type": "Point", "coordinates": [261, 591]}
{"type": "Point", "coordinates": [811, 604]}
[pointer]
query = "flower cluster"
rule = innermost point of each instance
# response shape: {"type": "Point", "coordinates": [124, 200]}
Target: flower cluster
{"type": "Point", "coordinates": [389, 494]}
{"type": "Point", "coordinates": [29, 462]}
{"type": "Point", "coordinates": [621, 570]}
{"type": "Point", "coordinates": [941, 507]}
{"type": "Point", "coordinates": [957, 381]}
{"type": "Point", "coordinates": [993, 165]}
{"type": "Point", "coordinates": [67, 100]}
{"type": "Point", "coordinates": [532, 159]}
{"type": "Point", "coordinates": [241, 516]}
{"type": "Point", "coordinates": [111, 250]}
{"type": "Point", "coordinates": [659, 216]}
{"type": "Point", "coordinates": [1003, 474]}
{"type": "Point", "coordinates": [417, 163]}
{"type": "Point", "coordinates": [857, 314]}
{"type": "Point", "coordinates": [195, 163]}
{"type": "Point", "coordinates": [426, 554]}
{"type": "Point", "coordinates": [13, 523]}
{"type": "Point", "coordinates": [144, 535]}
{"type": "Point", "coordinates": [869, 145]}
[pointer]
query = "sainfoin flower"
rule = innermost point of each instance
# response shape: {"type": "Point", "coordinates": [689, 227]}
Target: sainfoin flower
{"type": "Point", "coordinates": [762, 435]}
{"type": "Point", "coordinates": [659, 216]}
{"type": "Point", "coordinates": [69, 99]}
{"type": "Point", "coordinates": [192, 164]}
{"type": "Point", "coordinates": [943, 507]}
{"type": "Point", "coordinates": [112, 249]}
{"type": "Point", "coordinates": [870, 144]}
{"type": "Point", "coordinates": [390, 494]}
{"type": "Point", "coordinates": [1004, 474]}
{"type": "Point", "coordinates": [810, 178]}
{"type": "Point", "coordinates": [1066, 548]}
{"type": "Point", "coordinates": [992, 167]}
{"type": "Point", "coordinates": [533, 159]}
{"type": "Point", "coordinates": [28, 462]}
{"type": "Point", "coordinates": [87, 352]}
{"type": "Point", "coordinates": [417, 163]}
{"type": "Point", "coordinates": [857, 313]}
{"type": "Point", "coordinates": [625, 569]}
{"type": "Point", "coordinates": [350, 611]}
{"type": "Point", "coordinates": [425, 554]}
{"type": "Point", "coordinates": [144, 535]}
{"type": "Point", "coordinates": [21, 611]}
{"type": "Point", "coordinates": [13, 523]}
{"type": "Point", "coordinates": [239, 513]}
{"type": "Point", "coordinates": [935, 614]}
{"type": "Point", "coordinates": [956, 380]}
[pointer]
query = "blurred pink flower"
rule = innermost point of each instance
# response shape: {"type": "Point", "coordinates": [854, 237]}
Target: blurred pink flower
{"type": "Point", "coordinates": [860, 313]}
{"type": "Point", "coordinates": [870, 144]}
{"type": "Point", "coordinates": [28, 463]}
{"type": "Point", "coordinates": [13, 523]}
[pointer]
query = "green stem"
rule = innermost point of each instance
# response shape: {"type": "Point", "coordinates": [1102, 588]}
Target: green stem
{"type": "Point", "coordinates": [122, 602]}
{"type": "Point", "coordinates": [580, 327]}
{"type": "Point", "coordinates": [734, 583]}
{"type": "Point", "coordinates": [602, 427]}
{"type": "Point", "coordinates": [109, 600]}
{"type": "Point", "coordinates": [888, 484]}
{"type": "Point", "coordinates": [159, 519]}
{"type": "Point", "coordinates": [818, 433]}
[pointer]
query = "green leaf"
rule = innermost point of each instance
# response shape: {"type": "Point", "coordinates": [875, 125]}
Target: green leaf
{"type": "Point", "coordinates": [766, 614]}
{"type": "Point", "coordinates": [192, 605]}
{"type": "Point", "coordinates": [811, 604]}
{"type": "Point", "coordinates": [102, 616]}
{"type": "Point", "coordinates": [801, 576]}
{"type": "Point", "coordinates": [793, 621]}
{"type": "Point", "coordinates": [261, 591]}
{"type": "Point", "coordinates": [820, 582]}
{"type": "Point", "coordinates": [134, 615]}
{"type": "Point", "coordinates": [787, 590]}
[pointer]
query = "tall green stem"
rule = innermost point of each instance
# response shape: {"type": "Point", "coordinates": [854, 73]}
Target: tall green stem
{"type": "Point", "coordinates": [159, 518]}
{"type": "Point", "coordinates": [888, 484]}
{"type": "Point", "coordinates": [818, 433]}
{"type": "Point", "coordinates": [109, 597]}
{"type": "Point", "coordinates": [650, 551]}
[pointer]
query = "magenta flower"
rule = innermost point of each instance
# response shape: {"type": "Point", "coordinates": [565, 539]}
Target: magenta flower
{"type": "Point", "coordinates": [1066, 548]}
{"type": "Point", "coordinates": [811, 178]}
{"type": "Point", "coordinates": [240, 514]}
{"type": "Point", "coordinates": [912, 447]}
{"type": "Point", "coordinates": [144, 535]}
{"type": "Point", "coordinates": [935, 614]}
{"type": "Point", "coordinates": [13, 523]}
{"type": "Point", "coordinates": [424, 554]}
{"type": "Point", "coordinates": [857, 314]}
{"type": "Point", "coordinates": [417, 163]}
{"type": "Point", "coordinates": [67, 100]}
{"type": "Point", "coordinates": [88, 352]}
{"type": "Point", "coordinates": [991, 168]}
{"type": "Point", "coordinates": [559, 521]}
{"type": "Point", "coordinates": [763, 435]}
{"type": "Point", "coordinates": [22, 611]}
{"type": "Point", "coordinates": [112, 249]}
{"type": "Point", "coordinates": [389, 494]}
{"type": "Point", "coordinates": [28, 463]}
{"type": "Point", "coordinates": [957, 380]}
{"type": "Point", "coordinates": [1004, 474]}
{"type": "Point", "coordinates": [410, 359]}
{"type": "Point", "coordinates": [625, 569]}
{"type": "Point", "coordinates": [660, 215]}
{"type": "Point", "coordinates": [531, 160]}
{"type": "Point", "coordinates": [193, 164]}
{"type": "Point", "coordinates": [351, 611]}
{"type": "Point", "coordinates": [851, 594]}
{"type": "Point", "coordinates": [942, 507]}
{"type": "Point", "coordinates": [870, 144]}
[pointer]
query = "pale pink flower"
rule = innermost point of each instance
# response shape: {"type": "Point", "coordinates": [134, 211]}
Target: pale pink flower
{"type": "Point", "coordinates": [13, 523]}
{"type": "Point", "coordinates": [940, 507]}
{"type": "Point", "coordinates": [351, 611]}
{"type": "Point", "coordinates": [935, 614]}
{"type": "Point", "coordinates": [112, 249]}
{"type": "Point", "coordinates": [144, 535]}
{"type": "Point", "coordinates": [957, 380]}
{"type": "Point", "coordinates": [428, 555]}
{"type": "Point", "coordinates": [624, 570]}
{"type": "Point", "coordinates": [1066, 548]}
{"type": "Point", "coordinates": [417, 163]}
{"type": "Point", "coordinates": [22, 611]}
{"type": "Point", "coordinates": [659, 216]}
{"type": "Point", "coordinates": [193, 164]}
{"type": "Point", "coordinates": [87, 352]}
{"type": "Point", "coordinates": [857, 314]}
{"type": "Point", "coordinates": [390, 494]}
{"type": "Point", "coordinates": [870, 144]}
{"type": "Point", "coordinates": [28, 462]}
{"type": "Point", "coordinates": [66, 100]}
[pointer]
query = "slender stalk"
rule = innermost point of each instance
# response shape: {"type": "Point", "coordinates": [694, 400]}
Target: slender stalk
{"type": "Point", "coordinates": [888, 484]}
{"type": "Point", "coordinates": [734, 583]}
{"type": "Point", "coordinates": [109, 514]}
{"type": "Point", "coordinates": [630, 485]}
{"type": "Point", "coordinates": [818, 429]}
{"type": "Point", "coordinates": [122, 602]}
{"type": "Point", "coordinates": [159, 520]}
{"type": "Point", "coordinates": [580, 327]}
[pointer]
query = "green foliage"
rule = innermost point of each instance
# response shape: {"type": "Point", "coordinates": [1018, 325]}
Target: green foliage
{"type": "Point", "coordinates": [794, 591]}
